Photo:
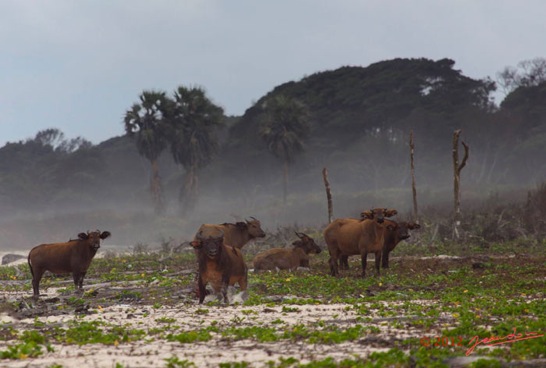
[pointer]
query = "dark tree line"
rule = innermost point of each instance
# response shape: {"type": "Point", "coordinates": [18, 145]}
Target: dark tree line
{"type": "Point", "coordinates": [354, 120]}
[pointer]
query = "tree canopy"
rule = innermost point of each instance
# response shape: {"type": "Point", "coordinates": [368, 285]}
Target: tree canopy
{"type": "Point", "coordinates": [358, 119]}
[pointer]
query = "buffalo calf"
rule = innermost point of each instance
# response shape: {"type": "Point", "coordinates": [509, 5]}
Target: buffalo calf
{"type": "Point", "coordinates": [73, 257]}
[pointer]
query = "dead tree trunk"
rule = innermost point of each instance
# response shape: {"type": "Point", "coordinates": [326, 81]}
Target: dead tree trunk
{"type": "Point", "coordinates": [328, 194]}
{"type": "Point", "coordinates": [457, 180]}
{"type": "Point", "coordinates": [413, 188]}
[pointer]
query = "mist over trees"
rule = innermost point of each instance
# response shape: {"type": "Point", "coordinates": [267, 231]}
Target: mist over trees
{"type": "Point", "coordinates": [357, 124]}
{"type": "Point", "coordinates": [146, 123]}
{"type": "Point", "coordinates": [284, 127]}
{"type": "Point", "coordinates": [186, 123]}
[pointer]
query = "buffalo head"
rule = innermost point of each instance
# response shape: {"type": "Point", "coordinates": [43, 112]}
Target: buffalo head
{"type": "Point", "coordinates": [211, 244]}
{"type": "Point", "coordinates": [378, 214]}
{"type": "Point", "coordinates": [93, 238]}
{"type": "Point", "coordinates": [254, 228]}
{"type": "Point", "coordinates": [307, 244]}
{"type": "Point", "coordinates": [404, 227]}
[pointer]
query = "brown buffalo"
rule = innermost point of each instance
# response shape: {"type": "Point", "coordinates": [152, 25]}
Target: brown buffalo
{"type": "Point", "coordinates": [240, 233]}
{"type": "Point", "coordinates": [348, 236]}
{"type": "Point", "coordinates": [287, 258]}
{"type": "Point", "coordinates": [395, 236]}
{"type": "Point", "coordinates": [73, 257]}
{"type": "Point", "coordinates": [399, 232]}
{"type": "Point", "coordinates": [219, 264]}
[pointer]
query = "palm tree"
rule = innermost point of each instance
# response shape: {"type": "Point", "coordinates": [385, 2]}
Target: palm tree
{"type": "Point", "coordinates": [284, 126]}
{"type": "Point", "coordinates": [146, 122]}
{"type": "Point", "coordinates": [193, 137]}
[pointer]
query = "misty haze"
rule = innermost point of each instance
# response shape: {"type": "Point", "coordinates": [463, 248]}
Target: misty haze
{"type": "Point", "coordinates": [356, 123]}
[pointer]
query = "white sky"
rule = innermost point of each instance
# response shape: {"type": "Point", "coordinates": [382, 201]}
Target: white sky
{"type": "Point", "coordinates": [79, 65]}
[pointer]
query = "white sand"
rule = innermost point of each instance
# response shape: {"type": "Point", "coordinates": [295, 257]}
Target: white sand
{"type": "Point", "coordinates": [152, 352]}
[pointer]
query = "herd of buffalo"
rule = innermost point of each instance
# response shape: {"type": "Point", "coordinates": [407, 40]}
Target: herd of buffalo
{"type": "Point", "coordinates": [218, 250]}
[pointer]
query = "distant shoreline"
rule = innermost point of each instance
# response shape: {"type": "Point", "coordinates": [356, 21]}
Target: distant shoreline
{"type": "Point", "coordinates": [100, 253]}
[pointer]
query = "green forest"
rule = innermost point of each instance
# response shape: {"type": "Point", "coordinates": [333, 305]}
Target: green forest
{"type": "Point", "coordinates": [183, 162]}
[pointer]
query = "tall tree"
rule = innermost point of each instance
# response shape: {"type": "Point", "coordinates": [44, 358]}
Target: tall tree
{"type": "Point", "coordinates": [38, 172]}
{"type": "Point", "coordinates": [529, 73]}
{"type": "Point", "coordinates": [284, 127]}
{"type": "Point", "coordinates": [146, 122]}
{"type": "Point", "coordinates": [193, 139]}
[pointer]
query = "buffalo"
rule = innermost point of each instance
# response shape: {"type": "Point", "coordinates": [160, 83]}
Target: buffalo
{"type": "Point", "coordinates": [349, 236]}
{"type": "Point", "coordinates": [395, 236]}
{"type": "Point", "coordinates": [399, 231]}
{"type": "Point", "coordinates": [219, 264]}
{"type": "Point", "coordinates": [74, 257]}
{"type": "Point", "coordinates": [287, 258]}
{"type": "Point", "coordinates": [240, 233]}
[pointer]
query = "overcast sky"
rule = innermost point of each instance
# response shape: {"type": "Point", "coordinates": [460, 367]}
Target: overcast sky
{"type": "Point", "coordinates": [79, 65]}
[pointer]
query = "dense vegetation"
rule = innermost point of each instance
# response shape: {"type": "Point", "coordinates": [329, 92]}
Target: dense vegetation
{"type": "Point", "coordinates": [359, 119]}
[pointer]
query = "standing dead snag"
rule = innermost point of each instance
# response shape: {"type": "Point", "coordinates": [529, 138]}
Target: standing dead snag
{"type": "Point", "coordinates": [328, 194]}
{"type": "Point", "coordinates": [457, 180]}
{"type": "Point", "coordinates": [412, 169]}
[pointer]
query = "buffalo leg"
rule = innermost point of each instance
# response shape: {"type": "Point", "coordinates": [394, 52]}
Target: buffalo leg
{"type": "Point", "coordinates": [202, 290]}
{"type": "Point", "coordinates": [385, 259]}
{"type": "Point", "coordinates": [243, 282]}
{"type": "Point", "coordinates": [224, 293]}
{"type": "Point", "coordinates": [78, 281]}
{"type": "Point", "coordinates": [333, 267]}
{"type": "Point", "coordinates": [197, 292]}
{"type": "Point", "coordinates": [364, 262]}
{"type": "Point", "coordinates": [377, 262]}
{"type": "Point", "coordinates": [334, 255]}
{"type": "Point", "coordinates": [82, 276]}
{"type": "Point", "coordinates": [36, 278]}
{"type": "Point", "coordinates": [225, 284]}
{"type": "Point", "coordinates": [344, 262]}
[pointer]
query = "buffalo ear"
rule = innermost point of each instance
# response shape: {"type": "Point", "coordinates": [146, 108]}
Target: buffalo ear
{"type": "Point", "coordinates": [105, 234]}
{"type": "Point", "coordinates": [389, 212]}
{"type": "Point", "coordinates": [413, 225]}
{"type": "Point", "coordinates": [367, 215]}
{"type": "Point", "coordinates": [83, 236]}
{"type": "Point", "coordinates": [196, 244]}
